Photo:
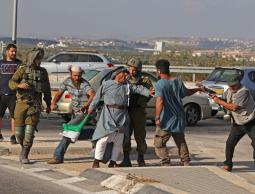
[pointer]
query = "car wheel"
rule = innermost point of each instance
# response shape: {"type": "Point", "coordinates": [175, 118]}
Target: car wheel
{"type": "Point", "coordinates": [192, 112]}
{"type": "Point", "coordinates": [66, 117]}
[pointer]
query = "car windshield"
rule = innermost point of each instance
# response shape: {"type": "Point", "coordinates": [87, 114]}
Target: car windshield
{"type": "Point", "coordinates": [219, 75]}
{"type": "Point", "coordinates": [89, 74]}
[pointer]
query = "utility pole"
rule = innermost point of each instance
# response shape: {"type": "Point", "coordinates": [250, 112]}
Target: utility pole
{"type": "Point", "coordinates": [14, 21]}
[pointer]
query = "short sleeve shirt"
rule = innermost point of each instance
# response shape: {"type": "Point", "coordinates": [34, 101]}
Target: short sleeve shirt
{"type": "Point", "coordinates": [7, 70]}
{"type": "Point", "coordinates": [78, 95]}
{"type": "Point", "coordinates": [242, 98]}
{"type": "Point", "coordinates": [172, 117]}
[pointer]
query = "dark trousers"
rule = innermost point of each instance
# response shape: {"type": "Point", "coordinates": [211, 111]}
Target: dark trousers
{"type": "Point", "coordinates": [137, 125]}
{"type": "Point", "coordinates": [236, 133]}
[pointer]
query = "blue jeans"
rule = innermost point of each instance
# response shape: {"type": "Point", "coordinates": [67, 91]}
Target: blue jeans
{"type": "Point", "coordinates": [61, 148]}
{"type": "Point", "coordinates": [65, 141]}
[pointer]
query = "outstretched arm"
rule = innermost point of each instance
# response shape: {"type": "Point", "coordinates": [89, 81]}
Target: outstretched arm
{"type": "Point", "coordinates": [228, 105]}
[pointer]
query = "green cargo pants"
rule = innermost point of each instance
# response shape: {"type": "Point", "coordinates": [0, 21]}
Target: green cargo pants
{"type": "Point", "coordinates": [137, 124]}
{"type": "Point", "coordinates": [26, 118]}
{"type": "Point", "coordinates": [160, 140]}
{"type": "Point", "coordinates": [25, 114]}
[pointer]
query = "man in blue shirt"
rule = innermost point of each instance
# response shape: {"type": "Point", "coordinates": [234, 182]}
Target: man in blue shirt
{"type": "Point", "coordinates": [8, 67]}
{"type": "Point", "coordinates": [170, 116]}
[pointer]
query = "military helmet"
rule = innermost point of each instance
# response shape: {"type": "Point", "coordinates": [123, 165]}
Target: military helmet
{"type": "Point", "coordinates": [33, 54]}
{"type": "Point", "coordinates": [137, 63]}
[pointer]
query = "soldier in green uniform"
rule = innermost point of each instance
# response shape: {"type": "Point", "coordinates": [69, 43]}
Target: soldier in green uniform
{"type": "Point", "coordinates": [137, 114]}
{"type": "Point", "coordinates": [30, 81]}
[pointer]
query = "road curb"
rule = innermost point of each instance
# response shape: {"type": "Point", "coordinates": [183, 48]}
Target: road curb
{"type": "Point", "coordinates": [4, 151]}
{"type": "Point", "coordinates": [46, 150]}
{"type": "Point", "coordinates": [119, 181]}
{"type": "Point", "coordinates": [233, 178]}
{"type": "Point", "coordinates": [86, 150]}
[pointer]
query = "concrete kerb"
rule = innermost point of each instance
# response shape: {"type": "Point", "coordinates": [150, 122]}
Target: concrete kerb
{"type": "Point", "coordinates": [120, 181]}
{"type": "Point", "coordinates": [4, 151]}
{"type": "Point", "coordinates": [233, 178]}
{"type": "Point", "coordinates": [50, 150]}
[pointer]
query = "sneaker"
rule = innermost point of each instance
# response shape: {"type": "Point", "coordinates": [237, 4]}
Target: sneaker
{"type": "Point", "coordinates": [13, 139]}
{"type": "Point", "coordinates": [55, 161]}
{"type": "Point", "coordinates": [1, 137]}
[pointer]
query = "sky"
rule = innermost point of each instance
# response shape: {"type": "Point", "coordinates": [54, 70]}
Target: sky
{"type": "Point", "coordinates": [130, 19]}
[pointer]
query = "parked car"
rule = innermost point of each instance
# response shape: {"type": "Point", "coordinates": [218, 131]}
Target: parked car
{"type": "Point", "coordinates": [216, 81]}
{"type": "Point", "coordinates": [197, 107]}
{"type": "Point", "coordinates": [58, 64]}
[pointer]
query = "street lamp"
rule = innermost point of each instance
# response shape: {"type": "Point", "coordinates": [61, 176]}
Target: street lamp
{"type": "Point", "coordinates": [14, 21]}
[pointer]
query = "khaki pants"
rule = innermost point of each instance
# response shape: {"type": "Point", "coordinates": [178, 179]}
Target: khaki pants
{"type": "Point", "coordinates": [137, 124]}
{"type": "Point", "coordinates": [25, 114]}
{"type": "Point", "coordinates": [160, 140]}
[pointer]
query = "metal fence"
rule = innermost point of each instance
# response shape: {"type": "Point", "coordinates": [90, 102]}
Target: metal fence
{"type": "Point", "coordinates": [181, 69]}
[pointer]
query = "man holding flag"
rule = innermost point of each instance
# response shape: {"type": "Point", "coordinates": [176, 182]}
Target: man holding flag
{"type": "Point", "coordinates": [82, 95]}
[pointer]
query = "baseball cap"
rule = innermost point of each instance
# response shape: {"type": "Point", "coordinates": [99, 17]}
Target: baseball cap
{"type": "Point", "coordinates": [233, 79]}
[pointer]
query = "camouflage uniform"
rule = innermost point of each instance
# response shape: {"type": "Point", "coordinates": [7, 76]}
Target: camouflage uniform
{"type": "Point", "coordinates": [137, 114]}
{"type": "Point", "coordinates": [29, 101]}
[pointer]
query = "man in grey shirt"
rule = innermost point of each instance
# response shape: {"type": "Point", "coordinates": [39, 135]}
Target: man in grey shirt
{"type": "Point", "coordinates": [241, 106]}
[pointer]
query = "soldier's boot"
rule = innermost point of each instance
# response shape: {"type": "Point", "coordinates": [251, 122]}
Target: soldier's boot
{"type": "Point", "coordinates": [27, 143]}
{"type": "Point", "coordinates": [126, 161]}
{"type": "Point", "coordinates": [140, 160]}
{"type": "Point", "coordinates": [24, 155]}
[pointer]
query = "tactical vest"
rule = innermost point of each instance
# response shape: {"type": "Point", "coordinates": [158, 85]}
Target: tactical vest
{"type": "Point", "coordinates": [34, 79]}
{"type": "Point", "coordinates": [137, 100]}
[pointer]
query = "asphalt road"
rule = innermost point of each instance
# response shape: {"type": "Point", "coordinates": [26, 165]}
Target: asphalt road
{"type": "Point", "coordinates": [206, 143]}
{"type": "Point", "coordinates": [12, 181]}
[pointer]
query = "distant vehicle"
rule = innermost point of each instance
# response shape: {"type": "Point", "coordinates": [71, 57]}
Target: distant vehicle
{"type": "Point", "coordinates": [60, 62]}
{"type": "Point", "coordinates": [197, 107]}
{"type": "Point", "coordinates": [216, 81]}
